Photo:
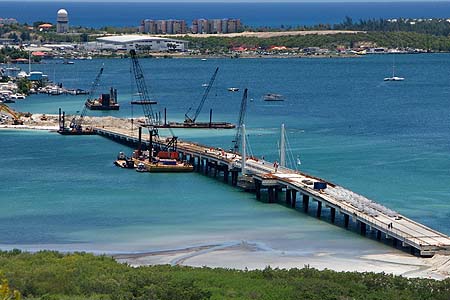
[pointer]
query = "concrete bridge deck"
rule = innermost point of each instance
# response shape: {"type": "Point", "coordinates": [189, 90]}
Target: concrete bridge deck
{"type": "Point", "coordinates": [368, 215]}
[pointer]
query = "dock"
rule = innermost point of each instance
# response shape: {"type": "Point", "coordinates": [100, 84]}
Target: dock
{"type": "Point", "coordinates": [286, 185]}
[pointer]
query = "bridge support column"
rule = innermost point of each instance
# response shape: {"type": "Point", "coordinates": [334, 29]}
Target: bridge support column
{"type": "Point", "coordinates": [206, 166]}
{"type": "Point", "coordinates": [277, 194]}
{"type": "Point", "coordinates": [288, 197]}
{"type": "Point", "coordinates": [215, 169]}
{"type": "Point", "coordinates": [394, 242]}
{"type": "Point", "coordinates": [192, 160]}
{"type": "Point", "coordinates": [305, 203]}
{"type": "Point", "coordinates": [202, 165]}
{"type": "Point", "coordinates": [346, 220]}
{"type": "Point", "coordinates": [234, 178]}
{"type": "Point", "coordinates": [225, 175]}
{"type": "Point", "coordinates": [319, 209]}
{"type": "Point", "coordinates": [258, 189]}
{"type": "Point", "coordinates": [271, 194]}
{"type": "Point", "coordinates": [333, 214]}
{"type": "Point", "coordinates": [362, 228]}
{"type": "Point", "coordinates": [294, 198]}
{"type": "Point", "coordinates": [378, 234]}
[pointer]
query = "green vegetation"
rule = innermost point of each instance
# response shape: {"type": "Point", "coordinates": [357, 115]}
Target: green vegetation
{"type": "Point", "coordinates": [23, 85]}
{"type": "Point", "coordinates": [9, 53]}
{"type": "Point", "coordinates": [52, 275]}
{"type": "Point", "coordinates": [380, 39]}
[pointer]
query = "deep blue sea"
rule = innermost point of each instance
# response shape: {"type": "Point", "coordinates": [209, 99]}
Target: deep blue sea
{"type": "Point", "coordinates": [389, 141]}
{"type": "Point", "coordinates": [276, 14]}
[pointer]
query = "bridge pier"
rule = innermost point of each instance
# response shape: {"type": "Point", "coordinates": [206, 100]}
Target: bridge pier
{"type": "Point", "coordinates": [202, 165]}
{"type": "Point", "coordinates": [305, 203]}
{"type": "Point", "coordinates": [288, 197]}
{"type": "Point", "coordinates": [277, 194]}
{"type": "Point", "coordinates": [258, 189]}
{"type": "Point", "coordinates": [294, 198]}
{"type": "Point", "coordinates": [270, 191]}
{"type": "Point", "coordinates": [206, 166]}
{"type": "Point", "coordinates": [216, 171]}
{"type": "Point", "coordinates": [362, 228]}
{"type": "Point", "coordinates": [319, 209]}
{"type": "Point", "coordinates": [225, 175]}
{"type": "Point", "coordinates": [333, 214]}
{"type": "Point", "coordinates": [346, 220]}
{"type": "Point", "coordinates": [234, 178]}
{"type": "Point", "coordinates": [378, 234]}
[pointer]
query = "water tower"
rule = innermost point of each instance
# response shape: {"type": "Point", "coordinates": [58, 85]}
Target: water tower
{"type": "Point", "coordinates": [62, 21]}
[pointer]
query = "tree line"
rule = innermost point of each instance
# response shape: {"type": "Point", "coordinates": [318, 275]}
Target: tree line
{"type": "Point", "coordinates": [51, 275]}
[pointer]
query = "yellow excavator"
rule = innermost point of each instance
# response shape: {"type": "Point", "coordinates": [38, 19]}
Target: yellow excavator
{"type": "Point", "coordinates": [15, 115]}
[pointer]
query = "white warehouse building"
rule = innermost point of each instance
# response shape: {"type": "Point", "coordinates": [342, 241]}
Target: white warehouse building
{"type": "Point", "coordinates": [140, 43]}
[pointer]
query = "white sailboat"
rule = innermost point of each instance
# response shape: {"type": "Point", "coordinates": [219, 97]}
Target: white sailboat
{"type": "Point", "coordinates": [393, 78]}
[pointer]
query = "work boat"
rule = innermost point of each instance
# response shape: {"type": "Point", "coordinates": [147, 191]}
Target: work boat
{"type": "Point", "coordinates": [394, 78]}
{"type": "Point", "coordinates": [273, 97]}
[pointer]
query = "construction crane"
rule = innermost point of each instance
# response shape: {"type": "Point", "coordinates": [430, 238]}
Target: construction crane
{"type": "Point", "coordinates": [76, 123]}
{"type": "Point", "coordinates": [192, 119]}
{"type": "Point", "coordinates": [237, 138]}
{"type": "Point", "coordinates": [151, 119]}
{"type": "Point", "coordinates": [15, 115]}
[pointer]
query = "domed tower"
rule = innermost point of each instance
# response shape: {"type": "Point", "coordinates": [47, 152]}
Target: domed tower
{"type": "Point", "coordinates": [62, 21]}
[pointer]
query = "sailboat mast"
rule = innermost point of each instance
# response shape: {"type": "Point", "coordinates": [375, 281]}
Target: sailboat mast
{"type": "Point", "coordinates": [282, 147]}
{"type": "Point", "coordinates": [244, 150]}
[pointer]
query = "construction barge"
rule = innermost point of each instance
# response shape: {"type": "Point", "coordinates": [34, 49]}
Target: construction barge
{"type": "Point", "coordinates": [189, 124]}
{"type": "Point", "coordinates": [104, 102]}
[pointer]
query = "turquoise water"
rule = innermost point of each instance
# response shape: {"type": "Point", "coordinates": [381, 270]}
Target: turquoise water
{"type": "Point", "coordinates": [388, 141]}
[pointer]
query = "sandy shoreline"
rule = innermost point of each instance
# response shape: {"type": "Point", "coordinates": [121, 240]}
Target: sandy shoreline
{"type": "Point", "coordinates": [247, 255]}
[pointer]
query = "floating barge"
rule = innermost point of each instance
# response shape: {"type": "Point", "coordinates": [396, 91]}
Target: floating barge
{"type": "Point", "coordinates": [165, 166]}
{"type": "Point", "coordinates": [198, 125]}
{"type": "Point", "coordinates": [104, 102]}
{"type": "Point", "coordinates": [195, 125]}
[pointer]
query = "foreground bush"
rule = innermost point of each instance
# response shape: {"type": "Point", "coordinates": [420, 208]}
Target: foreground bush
{"type": "Point", "coordinates": [52, 275]}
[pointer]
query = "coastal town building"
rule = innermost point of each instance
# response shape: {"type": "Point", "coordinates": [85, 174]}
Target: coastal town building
{"type": "Point", "coordinates": [8, 21]}
{"type": "Point", "coordinates": [62, 21]}
{"type": "Point", "coordinates": [163, 26]}
{"type": "Point", "coordinates": [139, 43]}
{"type": "Point", "coordinates": [212, 26]}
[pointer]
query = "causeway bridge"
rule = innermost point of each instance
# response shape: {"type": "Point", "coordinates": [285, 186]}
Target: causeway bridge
{"type": "Point", "coordinates": [300, 191]}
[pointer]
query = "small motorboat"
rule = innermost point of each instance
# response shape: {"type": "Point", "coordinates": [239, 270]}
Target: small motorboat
{"type": "Point", "coordinates": [394, 78]}
{"type": "Point", "coordinates": [273, 97]}
{"type": "Point", "coordinates": [141, 168]}
{"type": "Point", "coordinates": [233, 89]}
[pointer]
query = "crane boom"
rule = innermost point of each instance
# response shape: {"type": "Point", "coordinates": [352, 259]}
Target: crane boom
{"type": "Point", "coordinates": [188, 119]}
{"type": "Point", "coordinates": [237, 138]}
{"type": "Point", "coordinates": [150, 118]}
{"type": "Point", "coordinates": [13, 113]}
{"type": "Point", "coordinates": [77, 123]}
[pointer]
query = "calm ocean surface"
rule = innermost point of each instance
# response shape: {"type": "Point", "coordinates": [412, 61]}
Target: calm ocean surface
{"type": "Point", "coordinates": [95, 14]}
{"type": "Point", "coordinates": [387, 140]}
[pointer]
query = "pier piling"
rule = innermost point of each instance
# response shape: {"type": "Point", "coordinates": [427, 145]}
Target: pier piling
{"type": "Point", "coordinates": [319, 209]}
{"type": "Point", "coordinates": [346, 220]}
{"type": "Point", "coordinates": [305, 203]}
{"type": "Point", "coordinates": [294, 199]}
{"type": "Point", "coordinates": [333, 214]}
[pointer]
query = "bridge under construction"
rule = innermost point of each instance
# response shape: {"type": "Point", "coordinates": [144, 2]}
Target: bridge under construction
{"type": "Point", "coordinates": [300, 191]}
